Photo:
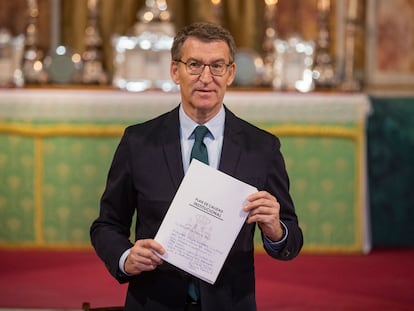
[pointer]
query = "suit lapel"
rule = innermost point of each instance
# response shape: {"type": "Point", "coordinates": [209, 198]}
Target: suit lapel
{"type": "Point", "coordinates": [231, 149]}
{"type": "Point", "coordinates": [230, 153]}
{"type": "Point", "coordinates": [172, 147]}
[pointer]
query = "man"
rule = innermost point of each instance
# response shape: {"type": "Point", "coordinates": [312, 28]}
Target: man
{"type": "Point", "coordinates": [150, 163]}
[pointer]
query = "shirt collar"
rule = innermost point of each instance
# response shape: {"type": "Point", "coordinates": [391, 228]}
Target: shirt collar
{"type": "Point", "coordinates": [215, 125]}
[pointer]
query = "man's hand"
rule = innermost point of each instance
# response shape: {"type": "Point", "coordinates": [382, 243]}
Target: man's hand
{"type": "Point", "coordinates": [142, 257]}
{"type": "Point", "coordinates": [264, 209]}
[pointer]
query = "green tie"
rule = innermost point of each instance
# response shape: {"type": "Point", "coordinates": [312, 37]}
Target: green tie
{"type": "Point", "coordinates": [199, 150]}
{"type": "Point", "coordinates": [200, 153]}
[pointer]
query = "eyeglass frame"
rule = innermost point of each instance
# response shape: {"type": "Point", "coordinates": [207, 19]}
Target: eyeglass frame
{"type": "Point", "coordinates": [204, 66]}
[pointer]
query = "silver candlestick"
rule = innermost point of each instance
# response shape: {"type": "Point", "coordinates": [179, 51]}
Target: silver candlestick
{"type": "Point", "coordinates": [323, 70]}
{"type": "Point", "coordinates": [217, 11]}
{"type": "Point", "coordinates": [33, 69]}
{"type": "Point", "coordinates": [350, 83]}
{"type": "Point", "coordinates": [269, 40]}
{"type": "Point", "coordinates": [93, 72]}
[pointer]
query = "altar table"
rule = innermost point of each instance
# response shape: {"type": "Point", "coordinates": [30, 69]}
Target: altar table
{"type": "Point", "coordinates": [56, 146]}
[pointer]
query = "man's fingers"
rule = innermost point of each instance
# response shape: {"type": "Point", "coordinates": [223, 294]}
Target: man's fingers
{"type": "Point", "coordinates": [150, 245]}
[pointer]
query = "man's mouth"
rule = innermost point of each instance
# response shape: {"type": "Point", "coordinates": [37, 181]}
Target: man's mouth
{"type": "Point", "coordinates": [204, 91]}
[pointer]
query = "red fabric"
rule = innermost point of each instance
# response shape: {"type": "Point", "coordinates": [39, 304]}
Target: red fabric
{"type": "Point", "coordinates": [382, 280]}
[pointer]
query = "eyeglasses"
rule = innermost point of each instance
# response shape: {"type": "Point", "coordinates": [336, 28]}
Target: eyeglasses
{"type": "Point", "coordinates": [196, 68]}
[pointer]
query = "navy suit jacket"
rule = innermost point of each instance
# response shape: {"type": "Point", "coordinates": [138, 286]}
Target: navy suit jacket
{"type": "Point", "coordinates": [143, 178]}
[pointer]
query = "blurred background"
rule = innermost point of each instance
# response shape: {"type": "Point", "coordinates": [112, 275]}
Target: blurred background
{"type": "Point", "coordinates": [353, 58]}
{"type": "Point", "coordinates": [334, 79]}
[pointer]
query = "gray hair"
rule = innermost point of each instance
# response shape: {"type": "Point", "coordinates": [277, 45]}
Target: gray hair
{"type": "Point", "coordinates": [206, 32]}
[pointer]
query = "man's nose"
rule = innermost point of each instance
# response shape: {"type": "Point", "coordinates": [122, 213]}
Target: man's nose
{"type": "Point", "coordinates": [206, 74]}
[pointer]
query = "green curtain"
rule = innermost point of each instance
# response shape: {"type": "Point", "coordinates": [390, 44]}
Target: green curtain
{"type": "Point", "coordinates": [390, 136]}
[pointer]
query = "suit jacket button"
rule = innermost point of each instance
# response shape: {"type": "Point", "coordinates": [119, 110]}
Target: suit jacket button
{"type": "Point", "coordinates": [286, 253]}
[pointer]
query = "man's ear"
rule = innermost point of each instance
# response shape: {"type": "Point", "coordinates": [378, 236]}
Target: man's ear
{"type": "Point", "coordinates": [174, 72]}
{"type": "Point", "coordinates": [232, 74]}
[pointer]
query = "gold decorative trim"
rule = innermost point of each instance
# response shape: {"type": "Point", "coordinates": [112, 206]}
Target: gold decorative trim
{"type": "Point", "coordinates": [38, 191]}
{"type": "Point", "coordinates": [94, 130]}
{"type": "Point", "coordinates": [91, 130]}
{"type": "Point", "coordinates": [314, 130]}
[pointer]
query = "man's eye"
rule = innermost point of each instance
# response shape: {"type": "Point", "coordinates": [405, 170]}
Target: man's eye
{"type": "Point", "coordinates": [217, 65]}
{"type": "Point", "coordinates": [194, 65]}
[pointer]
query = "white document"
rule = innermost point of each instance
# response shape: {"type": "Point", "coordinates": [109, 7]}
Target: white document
{"type": "Point", "coordinates": [203, 221]}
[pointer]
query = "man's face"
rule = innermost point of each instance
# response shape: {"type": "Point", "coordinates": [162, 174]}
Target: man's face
{"type": "Point", "coordinates": [202, 94]}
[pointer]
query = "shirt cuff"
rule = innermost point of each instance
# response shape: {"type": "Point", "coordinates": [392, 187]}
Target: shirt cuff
{"type": "Point", "coordinates": [278, 245]}
{"type": "Point", "coordinates": [122, 261]}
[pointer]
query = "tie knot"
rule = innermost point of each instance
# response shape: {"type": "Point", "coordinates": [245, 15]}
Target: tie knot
{"type": "Point", "coordinates": [199, 132]}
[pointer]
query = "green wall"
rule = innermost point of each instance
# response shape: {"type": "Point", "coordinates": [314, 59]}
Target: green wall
{"type": "Point", "coordinates": [390, 143]}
